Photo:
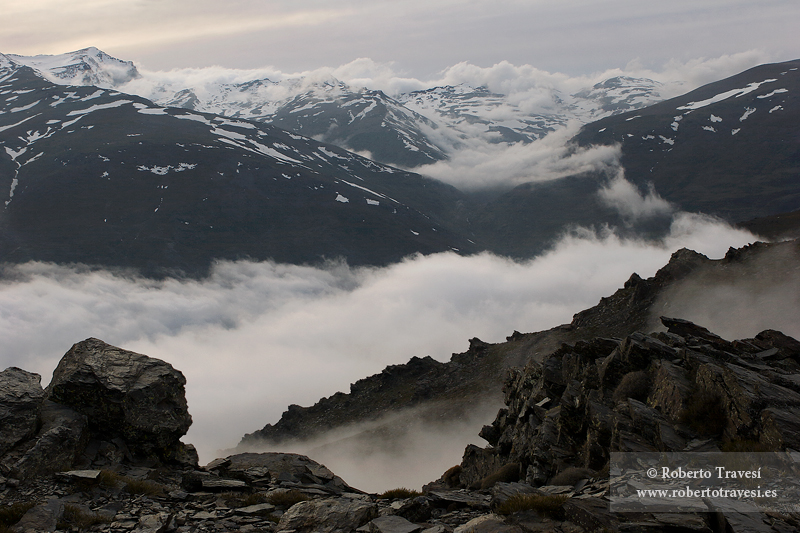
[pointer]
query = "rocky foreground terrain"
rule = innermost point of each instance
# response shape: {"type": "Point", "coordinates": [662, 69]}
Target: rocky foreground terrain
{"type": "Point", "coordinates": [99, 448]}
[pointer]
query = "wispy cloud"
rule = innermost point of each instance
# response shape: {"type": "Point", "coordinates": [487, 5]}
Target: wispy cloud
{"type": "Point", "coordinates": [623, 196]}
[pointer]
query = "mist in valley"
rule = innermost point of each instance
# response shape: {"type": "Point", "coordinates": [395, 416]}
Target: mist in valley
{"type": "Point", "coordinates": [255, 337]}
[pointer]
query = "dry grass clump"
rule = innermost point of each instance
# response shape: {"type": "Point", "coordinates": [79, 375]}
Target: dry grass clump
{"type": "Point", "coordinates": [634, 385]}
{"type": "Point", "coordinates": [146, 487]}
{"type": "Point", "coordinates": [571, 475]}
{"type": "Point", "coordinates": [75, 517]}
{"type": "Point", "coordinates": [546, 505]}
{"type": "Point", "coordinates": [745, 446]}
{"type": "Point", "coordinates": [236, 500]}
{"type": "Point", "coordinates": [287, 498]}
{"type": "Point", "coordinates": [401, 493]}
{"type": "Point", "coordinates": [705, 413]}
{"type": "Point", "coordinates": [13, 513]}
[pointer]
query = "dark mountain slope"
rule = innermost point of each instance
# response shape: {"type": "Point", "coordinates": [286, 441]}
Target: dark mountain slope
{"type": "Point", "coordinates": [95, 176]}
{"type": "Point", "coordinates": [730, 149]}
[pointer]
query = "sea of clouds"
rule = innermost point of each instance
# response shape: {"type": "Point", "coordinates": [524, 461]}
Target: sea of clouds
{"type": "Point", "coordinates": [255, 337]}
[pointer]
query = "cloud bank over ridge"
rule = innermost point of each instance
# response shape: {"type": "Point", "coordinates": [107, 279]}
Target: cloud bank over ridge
{"type": "Point", "coordinates": [253, 338]}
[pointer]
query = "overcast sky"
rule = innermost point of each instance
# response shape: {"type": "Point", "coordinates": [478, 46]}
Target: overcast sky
{"type": "Point", "coordinates": [419, 37]}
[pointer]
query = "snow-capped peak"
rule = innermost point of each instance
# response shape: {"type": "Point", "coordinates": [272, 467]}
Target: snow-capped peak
{"type": "Point", "coordinates": [89, 66]}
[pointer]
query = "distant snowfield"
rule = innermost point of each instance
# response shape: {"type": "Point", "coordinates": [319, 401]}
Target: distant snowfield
{"type": "Point", "coordinates": [253, 338]}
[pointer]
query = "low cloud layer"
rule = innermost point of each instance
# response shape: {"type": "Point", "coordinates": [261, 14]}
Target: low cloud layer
{"type": "Point", "coordinates": [479, 163]}
{"type": "Point", "coordinates": [527, 86]}
{"type": "Point", "coordinates": [766, 296]}
{"type": "Point", "coordinates": [253, 338]}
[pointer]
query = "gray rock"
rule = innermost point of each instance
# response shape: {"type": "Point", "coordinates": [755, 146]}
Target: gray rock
{"type": "Point", "coordinates": [501, 492]}
{"type": "Point", "coordinates": [781, 428]}
{"type": "Point", "coordinates": [460, 497]}
{"type": "Point", "coordinates": [221, 484]}
{"type": "Point", "coordinates": [414, 509]}
{"type": "Point", "coordinates": [123, 394]}
{"type": "Point", "coordinates": [671, 389]}
{"type": "Point", "coordinates": [285, 467]}
{"type": "Point", "coordinates": [218, 463]}
{"type": "Point", "coordinates": [592, 514]}
{"type": "Point", "coordinates": [21, 397]}
{"type": "Point", "coordinates": [257, 509]}
{"type": "Point", "coordinates": [58, 444]}
{"type": "Point", "coordinates": [40, 519]}
{"type": "Point", "coordinates": [152, 523]}
{"type": "Point", "coordinates": [392, 524]}
{"type": "Point", "coordinates": [489, 523]}
{"type": "Point", "coordinates": [78, 475]}
{"type": "Point", "coordinates": [332, 515]}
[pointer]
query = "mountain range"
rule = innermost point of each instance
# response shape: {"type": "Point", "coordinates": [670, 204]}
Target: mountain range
{"type": "Point", "coordinates": [99, 176]}
{"type": "Point", "coordinates": [407, 129]}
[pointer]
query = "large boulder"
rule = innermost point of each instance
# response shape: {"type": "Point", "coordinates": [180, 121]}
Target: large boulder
{"type": "Point", "coordinates": [21, 397]}
{"type": "Point", "coordinates": [124, 394]}
{"type": "Point", "coordinates": [329, 515]}
{"type": "Point", "coordinates": [276, 466]}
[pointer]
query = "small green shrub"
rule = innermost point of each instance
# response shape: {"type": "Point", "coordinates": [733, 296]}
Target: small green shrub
{"type": "Point", "coordinates": [287, 498]}
{"type": "Point", "coordinates": [704, 413]}
{"type": "Point", "coordinates": [401, 493]}
{"type": "Point", "coordinates": [634, 385]}
{"type": "Point", "coordinates": [11, 514]}
{"type": "Point", "coordinates": [75, 517]}
{"type": "Point", "coordinates": [546, 505]}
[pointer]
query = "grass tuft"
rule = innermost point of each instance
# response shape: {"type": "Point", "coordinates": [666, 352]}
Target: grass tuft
{"type": "Point", "coordinates": [634, 385]}
{"type": "Point", "coordinates": [401, 493]}
{"type": "Point", "coordinates": [546, 505]}
{"type": "Point", "coordinates": [142, 486]}
{"type": "Point", "coordinates": [705, 413]}
{"type": "Point", "coordinates": [75, 517]}
{"type": "Point", "coordinates": [11, 514]}
{"type": "Point", "coordinates": [287, 498]}
{"type": "Point", "coordinates": [235, 500]}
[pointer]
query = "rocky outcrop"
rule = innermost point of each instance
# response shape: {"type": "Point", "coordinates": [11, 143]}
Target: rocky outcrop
{"type": "Point", "coordinates": [124, 395]}
{"type": "Point", "coordinates": [441, 391]}
{"type": "Point", "coordinates": [105, 406]}
{"type": "Point", "coordinates": [666, 391]}
{"type": "Point", "coordinates": [21, 398]}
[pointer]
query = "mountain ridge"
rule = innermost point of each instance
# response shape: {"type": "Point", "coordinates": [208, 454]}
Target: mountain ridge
{"type": "Point", "coordinates": [395, 129]}
{"type": "Point", "coordinates": [165, 188]}
{"type": "Point", "coordinates": [430, 390]}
